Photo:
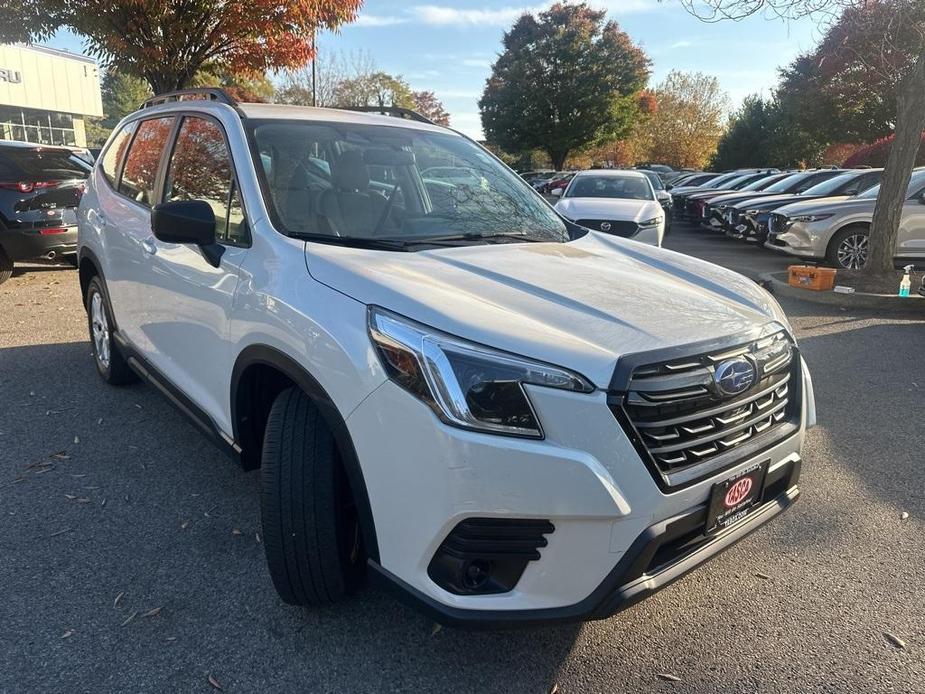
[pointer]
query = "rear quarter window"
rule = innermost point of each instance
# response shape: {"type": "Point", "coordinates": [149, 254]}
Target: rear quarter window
{"type": "Point", "coordinates": [109, 164]}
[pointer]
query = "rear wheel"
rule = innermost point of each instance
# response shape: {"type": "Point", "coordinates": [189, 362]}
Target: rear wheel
{"type": "Point", "coordinates": [310, 527]}
{"type": "Point", "coordinates": [109, 361]}
{"type": "Point", "coordinates": [6, 267]}
{"type": "Point", "coordinates": [850, 248]}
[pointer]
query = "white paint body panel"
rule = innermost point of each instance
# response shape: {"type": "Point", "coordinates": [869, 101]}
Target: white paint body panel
{"type": "Point", "coordinates": [579, 305]}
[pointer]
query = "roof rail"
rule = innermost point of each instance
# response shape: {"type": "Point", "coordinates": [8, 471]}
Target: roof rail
{"type": "Point", "coordinates": [194, 94]}
{"type": "Point", "coordinates": [395, 111]}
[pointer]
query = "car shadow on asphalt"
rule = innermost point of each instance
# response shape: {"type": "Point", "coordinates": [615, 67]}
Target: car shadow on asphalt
{"type": "Point", "coordinates": [121, 507]}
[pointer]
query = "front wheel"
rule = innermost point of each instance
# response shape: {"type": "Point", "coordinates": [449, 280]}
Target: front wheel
{"type": "Point", "coordinates": [849, 249]}
{"type": "Point", "coordinates": [311, 533]}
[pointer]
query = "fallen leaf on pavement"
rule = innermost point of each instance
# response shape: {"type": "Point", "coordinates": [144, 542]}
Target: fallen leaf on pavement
{"type": "Point", "coordinates": [763, 575]}
{"type": "Point", "coordinates": [115, 603]}
{"type": "Point", "coordinates": [555, 689]}
{"type": "Point", "coordinates": [437, 628]}
{"type": "Point", "coordinates": [67, 634]}
{"type": "Point", "coordinates": [904, 515]}
{"type": "Point", "coordinates": [895, 640]}
{"type": "Point", "coordinates": [76, 439]}
{"type": "Point", "coordinates": [130, 618]}
{"type": "Point", "coordinates": [60, 532]}
{"type": "Point", "coordinates": [667, 677]}
{"type": "Point", "coordinates": [152, 613]}
{"type": "Point", "coordinates": [60, 455]}
{"type": "Point", "coordinates": [214, 683]}
{"type": "Point", "coordinates": [235, 531]}
{"type": "Point", "coordinates": [70, 496]}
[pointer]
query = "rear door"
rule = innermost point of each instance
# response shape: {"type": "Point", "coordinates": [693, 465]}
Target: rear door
{"type": "Point", "coordinates": [189, 300]}
{"type": "Point", "coordinates": [124, 218]}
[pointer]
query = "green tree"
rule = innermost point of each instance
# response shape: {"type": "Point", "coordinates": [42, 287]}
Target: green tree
{"type": "Point", "coordinates": [566, 80]}
{"type": "Point", "coordinates": [167, 43]}
{"type": "Point", "coordinates": [748, 140]}
{"type": "Point", "coordinates": [376, 89]}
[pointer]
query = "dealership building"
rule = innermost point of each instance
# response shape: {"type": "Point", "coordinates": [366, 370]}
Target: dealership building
{"type": "Point", "coordinates": [46, 95]}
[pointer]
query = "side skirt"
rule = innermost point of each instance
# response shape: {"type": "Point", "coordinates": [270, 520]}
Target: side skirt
{"type": "Point", "coordinates": [179, 400]}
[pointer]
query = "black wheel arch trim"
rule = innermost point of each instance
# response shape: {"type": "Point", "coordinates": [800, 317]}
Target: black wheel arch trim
{"type": "Point", "coordinates": [270, 356]}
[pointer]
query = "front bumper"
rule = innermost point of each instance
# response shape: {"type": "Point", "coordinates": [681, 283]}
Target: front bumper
{"type": "Point", "coordinates": [660, 555]}
{"type": "Point", "coordinates": [26, 244]}
{"type": "Point", "coordinates": [618, 536]}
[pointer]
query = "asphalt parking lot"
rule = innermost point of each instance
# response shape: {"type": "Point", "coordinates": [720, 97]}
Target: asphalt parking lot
{"type": "Point", "coordinates": [131, 559]}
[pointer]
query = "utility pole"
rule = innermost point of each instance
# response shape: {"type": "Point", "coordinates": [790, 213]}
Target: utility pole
{"type": "Point", "coordinates": [314, 62]}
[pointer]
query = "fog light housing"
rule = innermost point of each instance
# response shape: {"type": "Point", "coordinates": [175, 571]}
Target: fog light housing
{"type": "Point", "coordinates": [484, 556]}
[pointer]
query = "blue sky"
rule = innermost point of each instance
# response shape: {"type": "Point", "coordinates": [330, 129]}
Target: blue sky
{"type": "Point", "coordinates": [449, 48]}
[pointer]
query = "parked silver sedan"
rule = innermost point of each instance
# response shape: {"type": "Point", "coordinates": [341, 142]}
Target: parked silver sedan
{"type": "Point", "coordinates": [838, 229]}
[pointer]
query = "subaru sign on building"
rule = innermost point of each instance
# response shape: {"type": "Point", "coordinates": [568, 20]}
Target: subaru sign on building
{"type": "Point", "coordinates": [46, 95]}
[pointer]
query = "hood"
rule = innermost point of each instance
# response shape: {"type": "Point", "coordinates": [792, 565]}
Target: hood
{"type": "Point", "coordinates": [759, 201]}
{"type": "Point", "coordinates": [608, 208]}
{"type": "Point", "coordinates": [687, 190]}
{"type": "Point", "coordinates": [579, 305]}
{"type": "Point", "coordinates": [824, 205]}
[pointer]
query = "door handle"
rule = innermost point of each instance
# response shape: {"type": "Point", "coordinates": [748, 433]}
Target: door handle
{"type": "Point", "coordinates": [149, 247]}
{"type": "Point", "coordinates": [97, 219]}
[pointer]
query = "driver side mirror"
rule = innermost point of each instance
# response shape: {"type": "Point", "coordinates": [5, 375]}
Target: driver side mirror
{"type": "Point", "coordinates": [188, 222]}
{"type": "Point", "coordinates": [557, 192]}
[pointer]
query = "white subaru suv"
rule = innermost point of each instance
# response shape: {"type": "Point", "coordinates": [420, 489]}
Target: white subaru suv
{"type": "Point", "coordinates": [505, 417]}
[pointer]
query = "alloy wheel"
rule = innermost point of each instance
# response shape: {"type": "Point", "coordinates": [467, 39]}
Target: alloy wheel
{"type": "Point", "coordinates": [100, 327]}
{"type": "Point", "coordinates": [852, 252]}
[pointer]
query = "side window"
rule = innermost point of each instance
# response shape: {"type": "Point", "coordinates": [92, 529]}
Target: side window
{"type": "Point", "coordinates": [140, 171]}
{"type": "Point", "coordinates": [200, 169]}
{"type": "Point", "coordinates": [114, 153]}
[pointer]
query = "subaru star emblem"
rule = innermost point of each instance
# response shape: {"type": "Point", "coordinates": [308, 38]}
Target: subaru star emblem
{"type": "Point", "coordinates": [734, 376]}
{"type": "Point", "coordinates": [605, 226]}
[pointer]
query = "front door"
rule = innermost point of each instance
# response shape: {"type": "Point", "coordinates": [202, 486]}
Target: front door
{"type": "Point", "coordinates": [190, 298]}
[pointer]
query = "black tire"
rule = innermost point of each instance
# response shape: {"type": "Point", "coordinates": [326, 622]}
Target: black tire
{"type": "Point", "coordinates": [110, 364]}
{"type": "Point", "coordinates": [841, 259]}
{"type": "Point", "coordinates": [310, 530]}
{"type": "Point", "coordinates": [6, 267]}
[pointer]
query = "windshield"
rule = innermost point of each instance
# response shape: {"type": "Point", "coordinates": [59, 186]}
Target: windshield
{"type": "Point", "coordinates": [915, 184]}
{"type": "Point", "coordinates": [833, 184]}
{"type": "Point", "coordinates": [762, 182]}
{"type": "Point", "coordinates": [343, 182]}
{"type": "Point", "coordinates": [653, 179]}
{"type": "Point", "coordinates": [717, 182]}
{"type": "Point", "coordinates": [784, 185]}
{"type": "Point", "coordinates": [627, 187]}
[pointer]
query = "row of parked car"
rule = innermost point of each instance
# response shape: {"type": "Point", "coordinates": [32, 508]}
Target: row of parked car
{"type": "Point", "coordinates": [822, 215]}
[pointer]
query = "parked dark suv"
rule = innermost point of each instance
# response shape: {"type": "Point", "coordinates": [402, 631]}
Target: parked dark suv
{"type": "Point", "coordinates": [40, 187]}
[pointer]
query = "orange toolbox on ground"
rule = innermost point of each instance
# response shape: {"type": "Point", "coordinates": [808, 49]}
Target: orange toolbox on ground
{"type": "Point", "coordinates": [819, 279]}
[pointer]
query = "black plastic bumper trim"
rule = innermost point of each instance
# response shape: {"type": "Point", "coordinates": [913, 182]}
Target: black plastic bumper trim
{"type": "Point", "coordinates": [615, 593]}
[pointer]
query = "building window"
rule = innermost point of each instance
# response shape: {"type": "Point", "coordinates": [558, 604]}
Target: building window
{"type": "Point", "coordinates": [40, 127]}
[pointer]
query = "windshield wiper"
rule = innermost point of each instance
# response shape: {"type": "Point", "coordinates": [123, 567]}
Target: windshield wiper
{"type": "Point", "coordinates": [354, 241]}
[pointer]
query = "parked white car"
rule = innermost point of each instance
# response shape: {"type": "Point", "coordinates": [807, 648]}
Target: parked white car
{"type": "Point", "coordinates": [503, 416]}
{"type": "Point", "coordinates": [614, 201]}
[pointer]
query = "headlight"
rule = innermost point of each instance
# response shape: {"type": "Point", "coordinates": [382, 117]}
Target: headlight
{"type": "Point", "coordinates": [650, 222]}
{"type": "Point", "coordinates": [465, 384]}
{"type": "Point", "coordinates": [808, 218]}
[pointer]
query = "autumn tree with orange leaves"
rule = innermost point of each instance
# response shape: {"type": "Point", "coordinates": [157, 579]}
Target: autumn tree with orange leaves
{"type": "Point", "coordinates": [166, 42]}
